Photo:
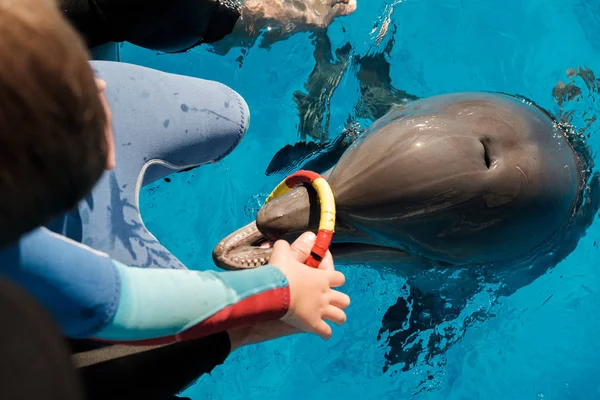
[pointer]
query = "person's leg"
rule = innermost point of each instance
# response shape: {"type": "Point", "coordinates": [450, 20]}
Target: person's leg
{"type": "Point", "coordinates": [162, 123]}
{"type": "Point", "coordinates": [34, 358]}
{"type": "Point", "coordinates": [148, 372]}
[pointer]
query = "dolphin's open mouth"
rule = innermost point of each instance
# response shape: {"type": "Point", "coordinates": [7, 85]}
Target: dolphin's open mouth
{"type": "Point", "coordinates": [243, 249]}
{"type": "Point", "coordinates": [247, 248]}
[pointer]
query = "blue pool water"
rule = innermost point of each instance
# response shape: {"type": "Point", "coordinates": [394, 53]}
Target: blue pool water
{"type": "Point", "coordinates": [542, 342]}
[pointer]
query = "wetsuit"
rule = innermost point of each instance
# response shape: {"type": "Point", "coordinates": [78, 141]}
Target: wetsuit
{"type": "Point", "coordinates": [150, 372]}
{"type": "Point", "coordinates": [102, 275]}
{"type": "Point", "coordinates": [170, 26]}
{"type": "Point", "coordinates": [91, 295]}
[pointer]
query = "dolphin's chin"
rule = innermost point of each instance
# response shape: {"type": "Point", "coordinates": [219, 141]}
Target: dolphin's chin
{"type": "Point", "coordinates": [245, 248]}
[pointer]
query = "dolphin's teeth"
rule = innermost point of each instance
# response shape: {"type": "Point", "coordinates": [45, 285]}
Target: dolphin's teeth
{"type": "Point", "coordinates": [255, 261]}
{"type": "Point", "coordinates": [262, 261]}
{"type": "Point", "coordinates": [235, 240]}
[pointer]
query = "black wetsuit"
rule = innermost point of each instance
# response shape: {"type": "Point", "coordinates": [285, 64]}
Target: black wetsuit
{"type": "Point", "coordinates": [164, 25]}
{"type": "Point", "coordinates": [158, 373]}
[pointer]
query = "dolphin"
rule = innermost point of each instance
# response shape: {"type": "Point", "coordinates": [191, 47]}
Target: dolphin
{"type": "Point", "coordinates": [450, 180]}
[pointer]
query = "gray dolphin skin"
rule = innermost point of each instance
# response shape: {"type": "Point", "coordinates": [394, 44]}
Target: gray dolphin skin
{"type": "Point", "coordinates": [454, 180]}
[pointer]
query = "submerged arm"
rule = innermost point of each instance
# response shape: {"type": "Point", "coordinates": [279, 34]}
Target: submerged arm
{"type": "Point", "coordinates": [178, 25]}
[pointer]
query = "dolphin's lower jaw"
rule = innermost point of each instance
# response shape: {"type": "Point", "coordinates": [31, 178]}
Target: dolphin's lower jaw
{"type": "Point", "coordinates": [243, 249]}
{"type": "Point", "coordinates": [247, 248]}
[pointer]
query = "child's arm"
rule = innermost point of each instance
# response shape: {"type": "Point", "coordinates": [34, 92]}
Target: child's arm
{"type": "Point", "coordinates": [91, 295]}
{"type": "Point", "coordinates": [171, 304]}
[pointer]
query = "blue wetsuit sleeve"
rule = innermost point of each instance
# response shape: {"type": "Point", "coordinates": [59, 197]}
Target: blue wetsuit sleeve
{"type": "Point", "coordinates": [173, 304]}
{"type": "Point", "coordinates": [78, 286]}
{"type": "Point", "coordinates": [91, 295]}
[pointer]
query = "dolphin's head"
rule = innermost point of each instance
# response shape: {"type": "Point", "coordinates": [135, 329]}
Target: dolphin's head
{"type": "Point", "coordinates": [459, 178]}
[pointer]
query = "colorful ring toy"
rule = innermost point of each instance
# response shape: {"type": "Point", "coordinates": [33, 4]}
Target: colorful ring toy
{"type": "Point", "coordinates": [327, 203]}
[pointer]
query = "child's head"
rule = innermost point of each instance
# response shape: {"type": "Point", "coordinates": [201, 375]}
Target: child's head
{"type": "Point", "coordinates": [53, 126]}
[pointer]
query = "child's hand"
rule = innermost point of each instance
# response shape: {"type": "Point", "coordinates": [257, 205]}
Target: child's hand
{"type": "Point", "coordinates": [312, 298]}
{"type": "Point", "coordinates": [300, 250]}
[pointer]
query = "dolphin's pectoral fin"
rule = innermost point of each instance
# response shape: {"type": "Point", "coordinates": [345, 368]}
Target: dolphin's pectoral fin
{"type": "Point", "coordinates": [324, 155]}
{"type": "Point", "coordinates": [334, 151]}
{"type": "Point", "coordinates": [290, 156]}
